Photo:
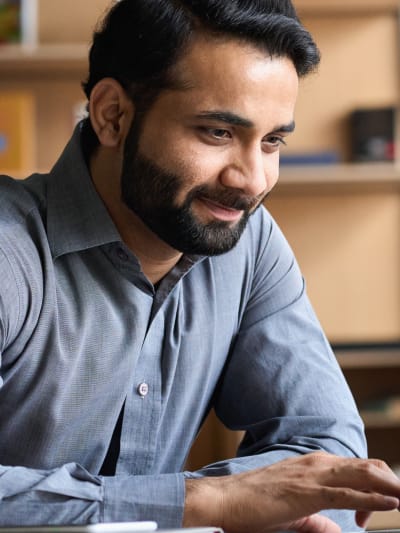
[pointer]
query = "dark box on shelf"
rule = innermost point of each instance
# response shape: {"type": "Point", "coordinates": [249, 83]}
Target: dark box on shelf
{"type": "Point", "coordinates": [10, 21]}
{"type": "Point", "coordinates": [373, 134]}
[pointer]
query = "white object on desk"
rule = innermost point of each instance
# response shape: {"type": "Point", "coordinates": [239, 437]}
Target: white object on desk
{"type": "Point", "coordinates": [111, 527]}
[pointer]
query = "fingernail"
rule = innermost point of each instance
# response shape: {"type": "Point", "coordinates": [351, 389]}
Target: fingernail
{"type": "Point", "coordinates": [392, 501]}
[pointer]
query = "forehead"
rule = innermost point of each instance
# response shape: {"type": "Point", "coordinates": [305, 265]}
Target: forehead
{"type": "Point", "coordinates": [235, 76]}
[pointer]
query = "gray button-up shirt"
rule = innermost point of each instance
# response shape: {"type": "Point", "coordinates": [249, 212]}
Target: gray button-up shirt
{"type": "Point", "coordinates": [83, 332]}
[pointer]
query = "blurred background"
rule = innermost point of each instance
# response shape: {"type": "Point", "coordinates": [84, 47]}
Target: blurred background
{"type": "Point", "coordinates": [338, 199]}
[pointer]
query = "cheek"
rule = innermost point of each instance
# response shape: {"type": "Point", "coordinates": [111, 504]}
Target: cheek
{"type": "Point", "coordinates": [195, 168]}
{"type": "Point", "coordinates": [180, 155]}
{"type": "Point", "coordinates": [192, 175]}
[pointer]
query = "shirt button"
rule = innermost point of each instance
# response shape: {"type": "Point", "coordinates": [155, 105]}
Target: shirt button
{"type": "Point", "coordinates": [122, 254]}
{"type": "Point", "coordinates": [143, 389]}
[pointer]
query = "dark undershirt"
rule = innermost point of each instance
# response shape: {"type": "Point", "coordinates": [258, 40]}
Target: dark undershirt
{"type": "Point", "coordinates": [110, 461]}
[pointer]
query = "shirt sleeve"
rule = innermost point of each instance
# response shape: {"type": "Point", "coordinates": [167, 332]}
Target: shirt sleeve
{"type": "Point", "coordinates": [71, 495]}
{"type": "Point", "coordinates": [282, 384]}
{"type": "Point", "coordinates": [9, 302]}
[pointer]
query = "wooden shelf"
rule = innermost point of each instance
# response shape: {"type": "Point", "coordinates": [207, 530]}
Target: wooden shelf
{"type": "Point", "coordinates": [379, 358]}
{"type": "Point", "coordinates": [369, 175]}
{"type": "Point", "coordinates": [19, 60]}
{"type": "Point", "coordinates": [379, 420]}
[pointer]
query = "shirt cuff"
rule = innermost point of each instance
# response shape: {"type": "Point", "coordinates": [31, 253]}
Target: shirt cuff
{"type": "Point", "coordinates": [132, 498]}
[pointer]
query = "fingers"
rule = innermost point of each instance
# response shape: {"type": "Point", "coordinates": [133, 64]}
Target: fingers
{"type": "Point", "coordinates": [321, 524]}
{"type": "Point", "coordinates": [372, 475]}
{"type": "Point", "coordinates": [365, 475]}
{"type": "Point", "coordinates": [362, 518]}
{"type": "Point", "coordinates": [314, 524]}
{"type": "Point", "coordinates": [332, 482]}
{"type": "Point", "coordinates": [344, 497]}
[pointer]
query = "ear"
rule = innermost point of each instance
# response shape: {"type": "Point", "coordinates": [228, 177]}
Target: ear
{"type": "Point", "coordinates": [111, 112]}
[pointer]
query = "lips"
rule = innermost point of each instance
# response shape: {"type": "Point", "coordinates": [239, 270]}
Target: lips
{"type": "Point", "coordinates": [220, 211]}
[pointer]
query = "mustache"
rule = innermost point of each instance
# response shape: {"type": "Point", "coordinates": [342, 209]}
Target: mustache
{"type": "Point", "coordinates": [229, 198]}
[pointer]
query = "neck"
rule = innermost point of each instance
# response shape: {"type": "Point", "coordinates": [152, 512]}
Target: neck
{"type": "Point", "coordinates": [156, 257]}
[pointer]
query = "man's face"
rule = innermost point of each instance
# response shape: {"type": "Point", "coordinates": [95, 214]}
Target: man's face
{"type": "Point", "coordinates": [203, 158]}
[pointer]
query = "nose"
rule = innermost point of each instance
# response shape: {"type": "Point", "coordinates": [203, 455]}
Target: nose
{"type": "Point", "coordinates": [250, 172]}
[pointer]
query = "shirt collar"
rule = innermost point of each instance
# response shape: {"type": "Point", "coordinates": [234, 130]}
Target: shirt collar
{"type": "Point", "coordinates": [77, 218]}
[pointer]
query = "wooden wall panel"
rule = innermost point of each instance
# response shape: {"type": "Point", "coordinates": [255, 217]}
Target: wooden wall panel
{"type": "Point", "coordinates": [62, 21]}
{"type": "Point", "coordinates": [348, 246]}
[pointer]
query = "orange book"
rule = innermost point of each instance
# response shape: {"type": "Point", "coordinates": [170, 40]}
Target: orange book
{"type": "Point", "coordinates": [17, 132]}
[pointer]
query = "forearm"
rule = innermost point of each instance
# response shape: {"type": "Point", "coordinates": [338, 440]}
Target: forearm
{"type": "Point", "coordinates": [203, 503]}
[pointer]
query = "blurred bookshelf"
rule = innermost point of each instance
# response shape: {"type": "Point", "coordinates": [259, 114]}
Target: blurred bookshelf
{"type": "Point", "coordinates": [50, 65]}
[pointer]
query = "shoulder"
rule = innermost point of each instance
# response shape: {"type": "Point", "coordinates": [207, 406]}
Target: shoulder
{"type": "Point", "coordinates": [22, 228]}
{"type": "Point", "coordinates": [18, 198]}
{"type": "Point", "coordinates": [22, 249]}
{"type": "Point", "coordinates": [22, 208]}
{"type": "Point", "coordinates": [22, 221]}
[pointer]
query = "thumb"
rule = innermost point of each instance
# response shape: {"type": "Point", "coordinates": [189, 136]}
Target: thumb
{"type": "Point", "coordinates": [315, 523]}
{"type": "Point", "coordinates": [362, 518]}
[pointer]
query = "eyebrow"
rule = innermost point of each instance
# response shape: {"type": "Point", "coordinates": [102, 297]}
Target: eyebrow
{"type": "Point", "coordinates": [235, 120]}
{"type": "Point", "coordinates": [286, 128]}
{"type": "Point", "coordinates": [227, 117]}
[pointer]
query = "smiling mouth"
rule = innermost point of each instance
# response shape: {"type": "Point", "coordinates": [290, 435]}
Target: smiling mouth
{"type": "Point", "coordinates": [220, 211]}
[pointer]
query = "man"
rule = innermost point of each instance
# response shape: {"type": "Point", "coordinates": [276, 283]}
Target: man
{"type": "Point", "coordinates": [142, 285]}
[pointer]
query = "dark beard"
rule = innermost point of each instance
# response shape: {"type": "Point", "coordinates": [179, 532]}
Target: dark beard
{"type": "Point", "coordinates": [150, 192]}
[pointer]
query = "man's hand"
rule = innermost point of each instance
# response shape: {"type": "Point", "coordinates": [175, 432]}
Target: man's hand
{"type": "Point", "coordinates": [288, 494]}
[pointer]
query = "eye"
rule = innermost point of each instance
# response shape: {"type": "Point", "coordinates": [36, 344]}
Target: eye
{"type": "Point", "coordinates": [275, 140]}
{"type": "Point", "coordinates": [272, 143]}
{"type": "Point", "coordinates": [220, 133]}
{"type": "Point", "coordinates": [216, 134]}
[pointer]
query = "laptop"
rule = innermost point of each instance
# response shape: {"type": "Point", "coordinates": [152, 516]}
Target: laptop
{"type": "Point", "coordinates": [111, 527]}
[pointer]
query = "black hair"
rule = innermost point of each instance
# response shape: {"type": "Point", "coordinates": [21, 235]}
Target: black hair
{"type": "Point", "coordinates": [139, 41]}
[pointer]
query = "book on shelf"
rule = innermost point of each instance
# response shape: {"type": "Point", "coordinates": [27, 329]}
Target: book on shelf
{"type": "Point", "coordinates": [326, 157]}
{"type": "Point", "coordinates": [17, 132]}
{"type": "Point", "coordinates": [373, 133]}
{"type": "Point", "coordinates": [18, 22]}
